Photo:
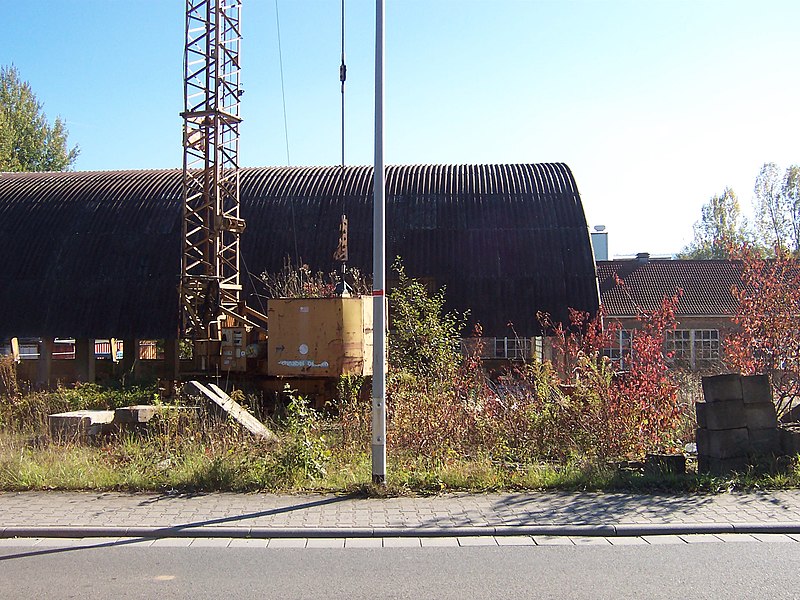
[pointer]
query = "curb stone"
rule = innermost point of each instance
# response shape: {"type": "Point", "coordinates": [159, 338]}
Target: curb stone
{"type": "Point", "coordinates": [621, 530]}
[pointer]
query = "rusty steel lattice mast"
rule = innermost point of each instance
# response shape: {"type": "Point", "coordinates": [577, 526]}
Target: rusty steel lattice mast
{"type": "Point", "coordinates": [210, 285]}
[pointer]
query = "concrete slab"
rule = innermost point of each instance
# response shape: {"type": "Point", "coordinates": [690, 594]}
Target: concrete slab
{"type": "Point", "coordinates": [247, 543]}
{"type": "Point", "coordinates": [363, 543]}
{"type": "Point", "coordinates": [736, 537]}
{"type": "Point", "coordinates": [515, 540]}
{"type": "Point", "coordinates": [287, 543]}
{"type": "Point", "coordinates": [172, 543]}
{"type": "Point", "coordinates": [409, 542]}
{"type": "Point", "coordinates": [232, 408]}
{"type": "Point", "coordinates": [439, 542]}
{"type": "Point", "coordinates": [773, 538]}
{"type": "Point", "coordinates": [656, 540]}
{"type": "Point", "coordinates": [79, 424]}
{"type": "Point", "coordinates": [19, 542]}
{"type": "Point", "coordinates": [211, 542]}
{"type": "Point", "coordinates": [590, 541]}
{"type": "Point", "coordinates": [137, 543]}
{"type": "Point", "coordinates": [60, 542]}
{"type": "Point", "coordinates": [627, 541]}
{"type": "Point", "coordinates": [477, 541]}
{"type": "Point", "coordinates": [700, 538]}
{"type": "Point", "coordinates": [140, 413]}
{"type": "Point", "coordinates": [325, 543]}
{"type": "Point", "coordinates": [552, 540]}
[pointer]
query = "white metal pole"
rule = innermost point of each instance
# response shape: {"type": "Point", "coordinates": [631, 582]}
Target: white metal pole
{"type": "Point", "coordinates": [378, 268]}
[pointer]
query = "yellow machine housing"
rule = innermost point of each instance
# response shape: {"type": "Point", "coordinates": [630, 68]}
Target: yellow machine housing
{"type": "Point", "coordinates": [319, 337]}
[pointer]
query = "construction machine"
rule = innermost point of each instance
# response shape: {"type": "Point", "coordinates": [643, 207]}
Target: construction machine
{"type": "Point", "coordinates": [299, 338]}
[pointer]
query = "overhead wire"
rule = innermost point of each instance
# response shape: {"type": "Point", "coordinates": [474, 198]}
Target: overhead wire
{"type": "Point", "coordinates": [343, 79]}
{"type": "Point", "coordinates": [286, 131]}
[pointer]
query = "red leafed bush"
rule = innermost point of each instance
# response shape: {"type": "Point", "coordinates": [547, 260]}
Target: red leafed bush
{"type": "Point", "coordinates": [768, 318]}
{"type": "Point", "coordinates": [622, 414]}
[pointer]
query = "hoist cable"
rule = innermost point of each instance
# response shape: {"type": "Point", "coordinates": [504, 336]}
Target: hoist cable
{"type": "Point", "coordinates": [286, 134]}
{"type": "Point", "coordinates": [342, 79]}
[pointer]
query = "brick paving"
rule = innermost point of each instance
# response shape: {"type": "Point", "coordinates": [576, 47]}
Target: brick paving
{"type": "Point", "coordinates": [310, 512]}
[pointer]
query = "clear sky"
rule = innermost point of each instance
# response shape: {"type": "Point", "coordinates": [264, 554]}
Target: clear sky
{"type": "Point", "coordinates": [654, 105]}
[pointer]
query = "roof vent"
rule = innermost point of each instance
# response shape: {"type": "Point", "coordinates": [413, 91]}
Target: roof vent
{"type": "Point", "coordinates": [643, 257]}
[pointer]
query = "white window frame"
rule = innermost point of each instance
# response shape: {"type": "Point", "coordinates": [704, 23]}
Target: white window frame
{"type": "Point", "coordinates": [703, 347]}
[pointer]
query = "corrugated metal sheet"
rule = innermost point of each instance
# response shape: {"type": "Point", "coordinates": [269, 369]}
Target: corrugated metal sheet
{"type": "Point", "coordinates": [97, 254]}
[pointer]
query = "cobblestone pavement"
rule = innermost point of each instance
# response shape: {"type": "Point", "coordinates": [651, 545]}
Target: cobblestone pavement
{"type": "Point", "coordinates": [87, 509]}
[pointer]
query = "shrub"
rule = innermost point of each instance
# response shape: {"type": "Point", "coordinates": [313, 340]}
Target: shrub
{"type": "Point", "coordinates": [768, 318]}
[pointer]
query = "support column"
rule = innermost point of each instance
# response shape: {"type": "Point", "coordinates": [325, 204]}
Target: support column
{"type": "Point", "coordinates": [130, 358]}
{"type": "Point", "coordinates": [84, 360]}
{"type": "Point", "coordinates": [171, 360]}
{"type": "Point", "coordinates": [15, 349]}
{"type": "Point", "coordinates": [44, 363]}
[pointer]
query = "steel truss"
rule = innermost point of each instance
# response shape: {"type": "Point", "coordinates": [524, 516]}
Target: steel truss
{"type": "Point", "coordinates": [210, 285]}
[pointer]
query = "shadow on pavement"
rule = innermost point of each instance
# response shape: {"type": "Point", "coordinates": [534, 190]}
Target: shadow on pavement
{"type": "Point", "coordinates": [175, 530]}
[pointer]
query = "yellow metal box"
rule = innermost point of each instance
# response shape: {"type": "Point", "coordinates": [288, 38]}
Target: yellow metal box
{"type": "Point", "coordinates": [319, 337]}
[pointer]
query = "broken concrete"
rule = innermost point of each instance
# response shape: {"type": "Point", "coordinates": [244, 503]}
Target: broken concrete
{"type": "Point", "coordinates": [231, 407]}
{"type": "Point", "coordinates": [79, 425]}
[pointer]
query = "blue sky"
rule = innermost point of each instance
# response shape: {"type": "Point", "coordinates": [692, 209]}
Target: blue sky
{"type": "Point", "coordinates": [654, 105]}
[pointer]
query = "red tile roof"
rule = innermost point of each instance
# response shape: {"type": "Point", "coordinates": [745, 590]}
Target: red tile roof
{"type": "Point", "coordinates": [706, 285]}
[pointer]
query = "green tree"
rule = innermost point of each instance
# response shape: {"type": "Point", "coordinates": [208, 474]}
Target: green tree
{"type": "Point", "coordinates": [777, 204]}
{"type": "Point", "coordinates": [425, 341]}
{"type": "Point", "coordinates": [28, 142]}
{"type": "Point", "coordinates": [790, 192]}
{"type": "Point", "coordinates": [720, 227]}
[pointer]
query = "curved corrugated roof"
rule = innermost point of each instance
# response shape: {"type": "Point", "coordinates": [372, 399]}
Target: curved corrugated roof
{"type": "Point", "coordinates": [97, 254]}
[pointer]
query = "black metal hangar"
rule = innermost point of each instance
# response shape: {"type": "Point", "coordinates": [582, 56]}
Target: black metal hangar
{"type": "Point", "coordinates": [98, 254]}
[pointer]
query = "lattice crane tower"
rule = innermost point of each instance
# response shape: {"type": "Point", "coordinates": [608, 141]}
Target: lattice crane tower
{"type": "Point", "coordinates": [210, 285]}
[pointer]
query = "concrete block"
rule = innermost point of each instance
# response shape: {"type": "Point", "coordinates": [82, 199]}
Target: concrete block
{"type": "Point", "coordinates": [721, 466]}
{"type": "Point", "coordinates": [789, 440]}
{"type": "Point", "coordinates": [80, 424]}
{"type": "Point", "coordinates": [700, 413]}
{"type": "Point", "coordinates": [722, 387]}
{"type": "Point", "coordinates": [756, 389]}
{"type": "Point", "coordinates": [725, 414]}
{"type": "Point", "coordinates": [661, 464]}
{"type": "Point", "coordinates": [135, 414]}
{"type": "Point", "coordinates": [729, 443]}
{"type": "Point", "coordinates": [765, 441]}
{"type": "Point", "coordinates": [761, 415]}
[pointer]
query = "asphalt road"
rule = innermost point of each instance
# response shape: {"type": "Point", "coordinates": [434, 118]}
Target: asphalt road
{"type": "Point", "coordinates": [702, 570]}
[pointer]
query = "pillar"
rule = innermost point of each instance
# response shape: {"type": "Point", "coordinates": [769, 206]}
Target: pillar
{"type": "Point", "coordinates": [84, 360]}
{"type": "Point", "coordinates": [44, 363]}
{"type": "Point", "coordinates": [171, 360]}
{"type": "Point", "coordinates": [130, 358]}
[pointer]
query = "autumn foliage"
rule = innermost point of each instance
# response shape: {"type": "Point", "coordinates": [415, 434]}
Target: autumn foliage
{"type": "Point", "coordinates": [631, 412]}
{"type": "Point", "coordinates": [767, 340]}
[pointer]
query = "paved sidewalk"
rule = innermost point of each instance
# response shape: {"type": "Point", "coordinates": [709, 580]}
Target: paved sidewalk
{"type": "Point", "coordinates": [86, 514]}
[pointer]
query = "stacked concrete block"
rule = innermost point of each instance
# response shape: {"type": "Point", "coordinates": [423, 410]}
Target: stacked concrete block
{"type": "Point", "coordinates": [789, 434]}
{"type": "Point", "coordinates": [737, 423]}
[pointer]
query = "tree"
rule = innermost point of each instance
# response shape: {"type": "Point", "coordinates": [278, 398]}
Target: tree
{"type": "Point", "coordinates": [425, 340]}
{"type": "Point", "coordinates": [720, 227]}
{"type": "Point", "coordinates": [28, 142]}
{"type": "Point", "coordinates": [767, 339]}
{"type": "Point", "coordinates": [777, 204]}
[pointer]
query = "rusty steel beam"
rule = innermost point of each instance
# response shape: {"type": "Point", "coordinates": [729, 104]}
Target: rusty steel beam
{"type": "Point", "coordinates": [211, 222]}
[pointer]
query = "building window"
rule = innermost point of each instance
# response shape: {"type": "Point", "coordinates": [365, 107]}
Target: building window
{"type": "Point", "coordinates": [620, 349]}
{"type": "Point", "coordinates": [511, 348]}
{"type": "Point", "coordinates": [695, 349]}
